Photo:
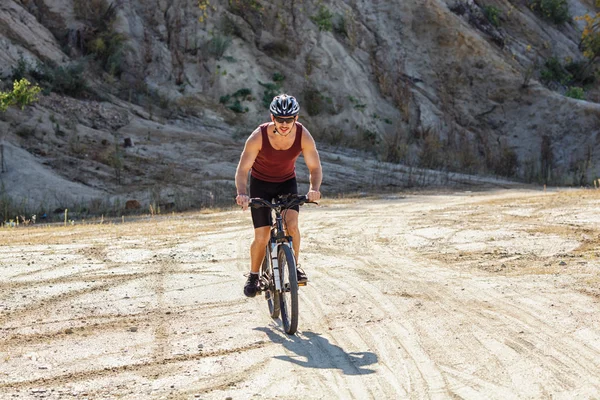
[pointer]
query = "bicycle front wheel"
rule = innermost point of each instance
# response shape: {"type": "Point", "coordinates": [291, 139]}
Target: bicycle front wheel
{"type": "Point", "coordinates": [288, 297]}
{"type": "Point", "coordinates": [271, 295]}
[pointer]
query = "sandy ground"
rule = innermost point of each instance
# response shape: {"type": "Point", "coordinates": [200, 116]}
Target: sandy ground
{"type": "Point", "coordinates": [464, 295]}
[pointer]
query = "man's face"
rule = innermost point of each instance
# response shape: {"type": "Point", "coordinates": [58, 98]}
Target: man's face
{"type": "Point", "coordinates": [283, 124]}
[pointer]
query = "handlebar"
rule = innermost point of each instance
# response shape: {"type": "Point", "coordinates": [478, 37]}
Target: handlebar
{"type": "Point", "coordinates": [282, 201]}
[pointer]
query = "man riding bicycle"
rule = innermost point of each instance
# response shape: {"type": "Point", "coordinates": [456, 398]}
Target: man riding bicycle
{"type": "Point", "coordinates": [270, 154]}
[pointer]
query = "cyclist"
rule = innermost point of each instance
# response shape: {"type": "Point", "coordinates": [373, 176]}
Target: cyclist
{"type": "Point", "coordinates": [270, 154]}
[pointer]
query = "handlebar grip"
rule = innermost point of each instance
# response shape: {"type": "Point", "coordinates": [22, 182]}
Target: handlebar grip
{"type": "Point", "coordinates": [257, 202]}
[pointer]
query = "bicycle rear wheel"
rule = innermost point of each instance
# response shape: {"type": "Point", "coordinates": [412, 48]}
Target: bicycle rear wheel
{"type": "Point", "coordinates": [288, 297]}
{"type": "Point", "coordinates": [271, 295]}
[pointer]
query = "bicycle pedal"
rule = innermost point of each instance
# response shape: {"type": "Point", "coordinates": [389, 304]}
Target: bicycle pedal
{"type": "Point", "coordinates": [302, 283]}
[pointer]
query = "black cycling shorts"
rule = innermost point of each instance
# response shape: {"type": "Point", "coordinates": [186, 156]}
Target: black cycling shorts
{"type": "Point", "coordinates": [268, 191]}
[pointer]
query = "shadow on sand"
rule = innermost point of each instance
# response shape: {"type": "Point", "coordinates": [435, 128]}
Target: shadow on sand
{"type": "Point", "coordinates": [314, 351]}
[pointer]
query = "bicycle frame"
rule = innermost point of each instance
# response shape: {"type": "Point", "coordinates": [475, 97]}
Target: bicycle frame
{"type": "Point", "coordinates": [278, 238]}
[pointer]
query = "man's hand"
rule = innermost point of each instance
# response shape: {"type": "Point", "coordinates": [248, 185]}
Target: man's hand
{"type": "Point", "coordinates": [242, 200]}
{"type": "Point", "coordinates": [313, 195]}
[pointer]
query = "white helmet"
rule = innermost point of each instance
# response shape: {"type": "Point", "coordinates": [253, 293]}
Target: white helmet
{"type": "Point", "coordinates": [284, 106]}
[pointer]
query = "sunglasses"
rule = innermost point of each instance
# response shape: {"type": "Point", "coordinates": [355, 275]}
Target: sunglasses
{"type": "Point", "coordinates": [285, 120]}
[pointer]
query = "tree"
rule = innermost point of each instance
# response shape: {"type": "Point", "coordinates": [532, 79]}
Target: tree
{"type": "Point", "coordinates": [22, 94]}
{"type": "Point", "coordinates": [590, 38]}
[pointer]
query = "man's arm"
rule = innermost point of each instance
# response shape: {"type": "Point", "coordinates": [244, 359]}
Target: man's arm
{"type": "Point", "coordinates": [251, 149]}
{"type": "Point", "coordinates": [313, 162]}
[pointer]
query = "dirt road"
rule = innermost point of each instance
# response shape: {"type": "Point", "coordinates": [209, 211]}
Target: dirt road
{"type": "Point", "coordinates": [463, 295]}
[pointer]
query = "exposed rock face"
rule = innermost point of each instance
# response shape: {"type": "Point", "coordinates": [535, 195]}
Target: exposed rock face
{"type": "Point", "coordinates": [430, 82]}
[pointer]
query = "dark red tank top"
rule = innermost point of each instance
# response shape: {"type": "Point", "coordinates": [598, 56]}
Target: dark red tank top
{"type": "Point", "coordinates": [277, 165]}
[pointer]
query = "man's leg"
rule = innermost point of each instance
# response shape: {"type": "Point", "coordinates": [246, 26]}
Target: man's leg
{"type": "Point", "coordinates": [257, 253]}
{"type": "Point", "coordinates": [257, 249]}
{"type": "Point", "coordinates": [291, 225]}
{"type": "Point", "coordinates": [291, 222]}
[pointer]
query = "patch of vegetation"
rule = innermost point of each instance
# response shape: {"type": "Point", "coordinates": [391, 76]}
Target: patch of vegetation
{"type": "Point", "coordinates": [554, 71]}
{"type": "Point", "coordinates": [234, 101]}
{"type": "Point", "coordinates": [492, 14]}
{"type": "Point", "coordinates": [272, 89]}
{"type": "Point", "coordinates": [432, 151]}
{"type": "Point", "coordinates": [556, 11]}
{"type": "Point", "coordinates": [356, 103]}
{"type": "Point", "coordinates": [100, 40]}
{"type": "Point", "coordinates": [313, 101]}
{"type": "Point", "coordinates": [21, 95]}
{"type": "Point", "coordinates": [323, 19]}
{"type": "Point", "coordinates": [245, 5]}
{"type": "Point", "coordinates": [68, 80]}
{"type": "Point", "coordinates": [339, 25]}
{"type": "Point", "coordinates": [217, 45]}
{"type": "Point", "coordinates": [581, 72]}
{"type": "Point", "coordinates": [575, 92]}
{"type": "Point", "coordinates": [277, 49]}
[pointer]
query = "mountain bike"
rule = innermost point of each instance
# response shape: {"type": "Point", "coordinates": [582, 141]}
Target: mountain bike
{"type": "Point", "coordinates": [278, 279]}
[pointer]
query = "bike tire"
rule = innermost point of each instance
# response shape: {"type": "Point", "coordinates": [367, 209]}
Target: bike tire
{"type": "Point", "coordinates": [271, 295]}
{"type": "Point", "coordinates": [288, 297]}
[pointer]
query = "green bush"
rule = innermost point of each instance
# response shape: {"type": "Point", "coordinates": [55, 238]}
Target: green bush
{"type": "Point", "coordinates": [556, 11]}
{"type": "Point", "coordinates": [68, 80]}
{"type": "Point", "coordinates": [217, 45]}
{"type": "Point", "coordinates": [313, 101]}
{"type": "Point", "coordinates": [575, 92]}
{"type": "Point", "coordinates": [492, 14]}
{"type": "Point", "coordinates": [553, 71]}
{"type": "Point", "coordinates": [20, 70]}
{"type": "Point", "coordinates": [100, 40]}
{"type": "Point", "coordinates": [237, 107]}
{"type": "Point", "coordinates": [239, 96]}
{"type": "Point", "coordinates": [580, 72]}
{"type": "Point", "coordinates": [271, 90]}
{"type": "Point", "coordinates": [323, 19]}
{"type": "Point", "coordinates": [22, 94]}
{"type": "Point", "coordinates": [339, 25]}
{"type": "Point", "coordinates": [244, 92]}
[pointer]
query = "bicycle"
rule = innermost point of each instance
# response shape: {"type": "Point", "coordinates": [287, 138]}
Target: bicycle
{"type": "Point", "coordinates": [278, 279]}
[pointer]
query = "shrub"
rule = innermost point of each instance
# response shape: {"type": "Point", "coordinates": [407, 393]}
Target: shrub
{"type": "Point", "coordinates": [271, 90]}
{"type": "Point", "coordinates": [239, 96]}
{"type": "Point", "coordinates": [323, 19]}
{"type": "Point", "coordinates": [244, 92]}
{"type": "Point", "coordinates": [575, 92]}
{"type": "Point", "coordinates": [581, 72]}
{"type": "Point", "coordinates": [339, 25]}
{"type": "Point", "coordinates": [237, 107]}
{"type": "Point", "coordinates": [506, 163]}
{"type": "Point", "coordinates": [492, 14]}
{"type": "Point", "coordinates": [100, 40]}
{"type": "Point", "coordinates": [276, 49]}
{"type": "Point", "coordinates": [313, 101]}
{"type": "Point", "coordinates": [432, 155]}
{"type": "Point", "coordinates": [556, 11]}
{"type": "Point", "coordinates": [20, 70]}
{"type": "Point", "coordinates": [68, 80]}
{"type": "Point", "coordinates": [22, 94]}
{"type": "Point", "coordinates": [553, 71]}
{"type": "Point", "coordinates": [217, 45]}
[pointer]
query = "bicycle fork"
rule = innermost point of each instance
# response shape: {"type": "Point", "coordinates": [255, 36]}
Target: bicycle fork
{"type": "Point", "coordinates": [274, 248]}
{"type": "Point", "coordinates": [276, 274]}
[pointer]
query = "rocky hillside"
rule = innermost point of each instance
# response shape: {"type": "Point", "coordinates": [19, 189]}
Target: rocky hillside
{"type": "Point", "coordinates": [386, 88]}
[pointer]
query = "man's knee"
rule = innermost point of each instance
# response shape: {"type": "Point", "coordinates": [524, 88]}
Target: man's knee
{"type": "Point", "coordinates": [262, 235]}
{"type": "Point", "coordinates": [292, 227]}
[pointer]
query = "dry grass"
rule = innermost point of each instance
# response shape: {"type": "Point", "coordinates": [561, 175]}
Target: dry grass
{"type": "Point", "coordinates": [127, 228]}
